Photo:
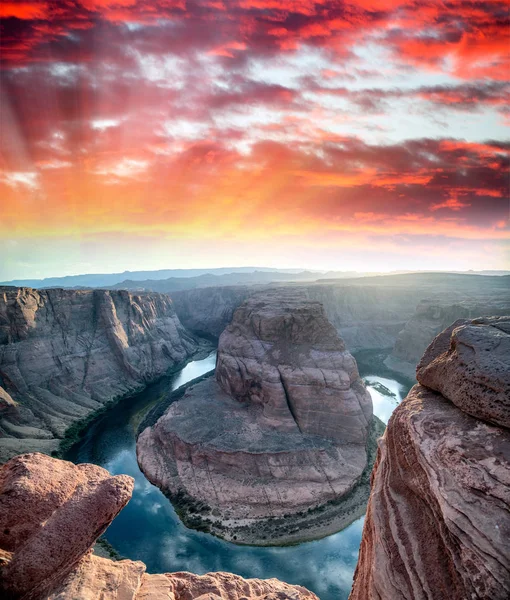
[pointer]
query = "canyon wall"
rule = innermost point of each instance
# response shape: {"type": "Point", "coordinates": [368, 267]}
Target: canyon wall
{"type": "Point", "coordinates": [430, 318]}
{"type": "Point", "coordinates": [281, 430]}
{"type": "Point", "coordinates": [65, 353]}
{"type": "Point", "coordinates": [52, 512]}
{"type": "Point", "coordinates": [403, 312]}
{"type": "Point", "coordinates": [438, 519]}
{"type": "Point", "coordinates": [365, 316]}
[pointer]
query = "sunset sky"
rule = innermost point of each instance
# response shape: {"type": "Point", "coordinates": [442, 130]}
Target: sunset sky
{"type": "Point", "coordinates": [148, 134]}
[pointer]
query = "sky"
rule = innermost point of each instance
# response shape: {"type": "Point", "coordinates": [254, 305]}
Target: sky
{"type": "Point", "coordinates": [349, 135]}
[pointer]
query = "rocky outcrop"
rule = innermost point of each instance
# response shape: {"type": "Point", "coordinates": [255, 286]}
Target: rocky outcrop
{"type": "Point", "coordinates": [432, 317]}
{"type": "Point", "coordinates": [438, 523]}
{"type": "Point", "coordinates": [281, 430]}
{"type": "Point", "coordinates": [469, 364]}
{"type": "Point", "coordinates": [51, 513]}
{"type": "Point", "coordinates": [65, 353]}
{"type": "Point", "coordinates": [365, 316]}
{"type": "Point", "coordinates": [281, 353]}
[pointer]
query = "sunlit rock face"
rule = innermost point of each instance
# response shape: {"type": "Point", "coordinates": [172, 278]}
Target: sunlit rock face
{"type": "Point", "coordinates": [282, 428]}
{"type": "Point", "coordinates": [51, 513]}
{"type": "Point", "coordinates": [438, 520]}
{"type": "Point", "coordinates": [65, 353]}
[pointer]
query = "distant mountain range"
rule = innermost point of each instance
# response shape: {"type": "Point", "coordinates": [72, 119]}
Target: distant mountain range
{"type": "Point", "coordinates": [168, 280]}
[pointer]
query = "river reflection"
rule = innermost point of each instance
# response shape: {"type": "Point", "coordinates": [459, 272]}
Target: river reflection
{"type": "Point", "coordinates": [148, 529]}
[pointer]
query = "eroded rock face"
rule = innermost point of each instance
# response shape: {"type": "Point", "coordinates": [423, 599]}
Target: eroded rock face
{"type": "Point", "coordinates": [280, 352]}
{"type": "Point", "coordinates": [469, 364]}
{"type": "Point", "coordinates": [51, 513]}
{"type": "Point", "coordinates": [431, 318]}
{"type": "Point", "coordinates": [65, 353]}
{"type": "Point", "coordinates": [282, 429]}
{"type": "Point", "coordinates": [438, 519]}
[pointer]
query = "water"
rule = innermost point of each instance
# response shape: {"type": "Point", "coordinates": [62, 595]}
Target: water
{"type": "Point", "coordinates": [384, 403]}
{"type": "Point", "coordinates": [148, 529]}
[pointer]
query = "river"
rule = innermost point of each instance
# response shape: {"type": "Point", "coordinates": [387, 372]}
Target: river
{"type": "Point", "coordinates": [148, 529]}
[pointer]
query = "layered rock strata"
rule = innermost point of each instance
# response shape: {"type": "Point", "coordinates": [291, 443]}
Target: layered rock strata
{"type": "Point", "coordinates": [432, 317]}
{"type": "Point", "coordinates": [51, 513]}
{"type": "Point", "coordinates": [365, 316]}
{"type": "Point", "coordinates": [438, 519]}
{"type": "Point", "coordinates": [65, 353]}
{"type": "Point", "coordinates": [403, 312]}
{"type": "Point", "coordinates": [281, 430]}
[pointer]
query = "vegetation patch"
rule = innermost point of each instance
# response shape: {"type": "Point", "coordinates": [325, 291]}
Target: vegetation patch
{"type": "Point", "coordinates": [379, 387]}
{"type": "Point", "coordinates": [371, 362]}
{"type": "Point", "coordinates": [159, 409]}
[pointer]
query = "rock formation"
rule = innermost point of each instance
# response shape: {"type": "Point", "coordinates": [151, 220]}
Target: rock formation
{"type": "Point", "coordinates": [368, 312]}
{"type": "Point", "coordinates": [438, 519]}
{"type": "Point", "coordinates": [430, 318]}
{"type": "Point", "coordinates": [65, 353]}
{"type": "Point", "coordinates": [51, 513]}
{"type": "Point", "coordinates": [365, 316]}
{"type": "Point", "coordinates": [281, 430]}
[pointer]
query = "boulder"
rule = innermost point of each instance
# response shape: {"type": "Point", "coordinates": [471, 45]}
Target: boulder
{"type": "Point", "coordinates": [51, 513]}
{"type": "Point", "coordinates": [469, 363]}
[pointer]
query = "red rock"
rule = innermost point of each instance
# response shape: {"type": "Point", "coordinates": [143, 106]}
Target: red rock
{"type": "Point", "coordinates": [469, 363]}
{"type": "Point", "coordinates": [51, 513]}
{"type": "Point", "coordinates": [281, 429]}
{"type": "Point", "coordinates": [438, 519]}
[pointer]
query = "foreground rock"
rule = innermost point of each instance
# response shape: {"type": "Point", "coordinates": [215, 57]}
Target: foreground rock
{"type": "Point", "coordinates": [51, 513]}
{"type": "Point", "coordinates": [281, 431]}
{"type": "Point", "coordinates": [65, 353]}
{"type": "Point", "coordinates": [433, 316]}
{"type": "Point", "coordinates": [438, 520]}
{"type": "Point", "coordinates": [469, 364]}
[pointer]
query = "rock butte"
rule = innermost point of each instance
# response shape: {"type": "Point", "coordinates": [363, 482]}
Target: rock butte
{"type": "Point", "coordinates": [282, 428]}
{"type": "Point", "coordinates": [65, 353]}
{"type": "Point", "coordinates": [438, 519]}
{"type": "Point", "coordinates": [51, 513]}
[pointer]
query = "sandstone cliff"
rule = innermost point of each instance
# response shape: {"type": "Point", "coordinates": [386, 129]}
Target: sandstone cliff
{"type": "Point", "coordinates": [51, 513]}
{"type": "Point", "coordinates": [438, 520]}
{"type": "Point", "coordinates": [65, 353]}
{"type": "Point", "coordinates": [430, 318]}
{"type": "Point", "coordinates": [281, 430]}
{"type": "Point", "coordinates": [365, 316]}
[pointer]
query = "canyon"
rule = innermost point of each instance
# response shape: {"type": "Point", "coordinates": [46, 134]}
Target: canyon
{"type": "Point", "coordinates": [277, 446]}
{"type": "Point", "coordinates": [399, 313]}
{"type": "Point", "coordinates": [65, 354]}
{"type": "Point", "coordinates": [438, 521]}
{"type": "Point", "coordinates": [51, 513]}
{"type": "Point", "coordinates": [266, 450]}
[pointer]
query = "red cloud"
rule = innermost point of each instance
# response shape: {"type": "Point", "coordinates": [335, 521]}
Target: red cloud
{"type": "Point", "coordinates": [471, 39]}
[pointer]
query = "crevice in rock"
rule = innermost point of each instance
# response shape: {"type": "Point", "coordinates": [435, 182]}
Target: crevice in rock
{"type": "Point", "coordinates": [288, 400]}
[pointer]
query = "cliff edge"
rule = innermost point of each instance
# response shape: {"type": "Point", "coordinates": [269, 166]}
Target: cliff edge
{"type": "Point", "coordinates": [64, 354]}
{"type": "Point", "coordinates": [438, 519]}
{"type": "Point", "coordinates": [51, 513]}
